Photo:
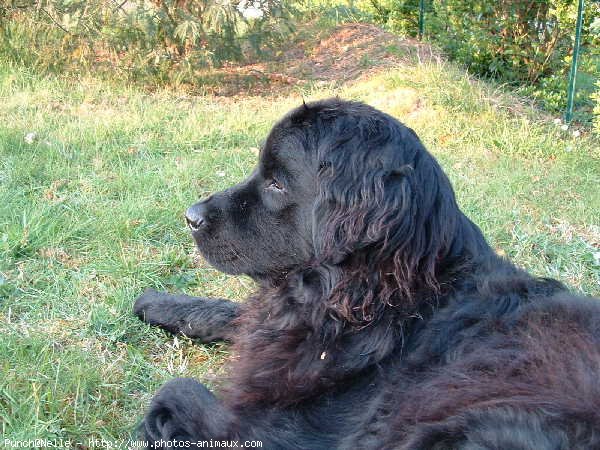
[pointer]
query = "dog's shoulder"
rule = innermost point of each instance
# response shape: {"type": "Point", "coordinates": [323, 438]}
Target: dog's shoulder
{"type": "Point", "coordinates": [485, 364]}
{"type": "Point", "coordinates": [493, 309]}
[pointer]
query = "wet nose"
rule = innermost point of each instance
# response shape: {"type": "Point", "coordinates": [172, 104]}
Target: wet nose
{"type": "Point", "coordinates": [196, 216]}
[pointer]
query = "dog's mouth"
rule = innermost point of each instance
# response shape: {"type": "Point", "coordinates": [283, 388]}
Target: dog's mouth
{"type": "Point", "coordinates": [218, 258]}
{"type": "Point", "coordinates": [223, 256]}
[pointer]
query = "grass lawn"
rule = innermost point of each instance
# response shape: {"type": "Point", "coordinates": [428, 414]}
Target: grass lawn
{"type": "Point", "coordinates": [91, 214]}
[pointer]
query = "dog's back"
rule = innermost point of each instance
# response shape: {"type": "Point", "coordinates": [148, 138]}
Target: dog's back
{"type": "Point", "coordinates": [513, 364]}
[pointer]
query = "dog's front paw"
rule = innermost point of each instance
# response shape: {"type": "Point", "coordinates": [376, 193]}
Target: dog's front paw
{"type": "Point", "coordinates": [184, 410]}
{"type": "Point", "coordinates": [196, 317]}
{"type": "Point", "coordinates": [167, 418]}
{"type": "Point", "coordinates": [158, 308]}
{"type": "Point", "coordinates": [147, 304]}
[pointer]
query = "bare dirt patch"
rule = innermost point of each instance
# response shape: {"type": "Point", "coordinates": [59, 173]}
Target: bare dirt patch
{"type": "Point", "coordinates": [349, 52]}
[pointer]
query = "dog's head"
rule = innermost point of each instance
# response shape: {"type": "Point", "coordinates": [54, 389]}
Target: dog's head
{"type": "Point", "coordinates": [339, 185]}
{"type": "Point", "coordinates": [262, 226]}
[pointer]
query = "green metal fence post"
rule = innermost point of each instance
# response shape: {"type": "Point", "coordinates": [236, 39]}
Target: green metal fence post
{"type": "Point", "coordinates": [421, 18]}
{"type": "Point", "coordinates": [574, 63]}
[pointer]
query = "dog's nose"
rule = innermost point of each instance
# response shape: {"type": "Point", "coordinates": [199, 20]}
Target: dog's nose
{"type": "Point", "coordinates": [196, 216]}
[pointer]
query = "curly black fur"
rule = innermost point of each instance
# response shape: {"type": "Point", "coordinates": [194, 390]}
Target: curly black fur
{"type": "Point", "coordinates": [383, 319]}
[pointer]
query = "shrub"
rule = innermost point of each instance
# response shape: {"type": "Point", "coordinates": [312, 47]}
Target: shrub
{"type": "Point", "coordinates": [401, 16]}
{"type": "Point", "coordinates": [138, 38]}
{"type": "Point", "coordinates": [514, 40]}
{"type": "Point", "coordinates": [526, 43]}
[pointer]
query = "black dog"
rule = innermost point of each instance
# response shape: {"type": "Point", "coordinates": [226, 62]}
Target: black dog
{"type": "Point", "coordinates": [384, 319]}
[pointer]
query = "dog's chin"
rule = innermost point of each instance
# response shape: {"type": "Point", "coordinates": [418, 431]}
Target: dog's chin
{"type": "Point", "coordinates": [230, 260]}
{"type": "Point", "coordinates": [232, 265]}
{"type": "Point", "coordinates": [229, 264]}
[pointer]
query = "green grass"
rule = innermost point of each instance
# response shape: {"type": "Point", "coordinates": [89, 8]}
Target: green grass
{"type": "Point", "coordinates": [91, 214]}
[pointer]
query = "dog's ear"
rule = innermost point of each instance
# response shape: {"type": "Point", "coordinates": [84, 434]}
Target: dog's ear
{"type": "Point", "coordinates": [382, 200]}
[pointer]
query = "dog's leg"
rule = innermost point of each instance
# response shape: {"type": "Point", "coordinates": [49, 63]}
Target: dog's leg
{"type": "Point", "coordinates": [184, 411]}
{"type": "Point", "coordinates": [207, 319]}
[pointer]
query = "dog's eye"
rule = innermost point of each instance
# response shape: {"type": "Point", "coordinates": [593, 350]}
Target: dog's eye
{"type": "Point", "coordinates": [274, 184]}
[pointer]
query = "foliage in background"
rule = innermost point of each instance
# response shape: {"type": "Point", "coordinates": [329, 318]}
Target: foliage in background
{"type": "Point", "coordinates": [157, 40]}
{"type": "Point", "coordinates": [527, 44]}
{"type": "Point", "coordinates": [401, 16]}
{"type": "Point", "coordinates": [330, 13]}
{"type": "Point", "coordinates": [523, 43]}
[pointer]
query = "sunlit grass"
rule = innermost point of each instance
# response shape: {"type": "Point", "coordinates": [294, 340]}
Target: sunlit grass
{"type": "Point", "coordinates": [91, 214]}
